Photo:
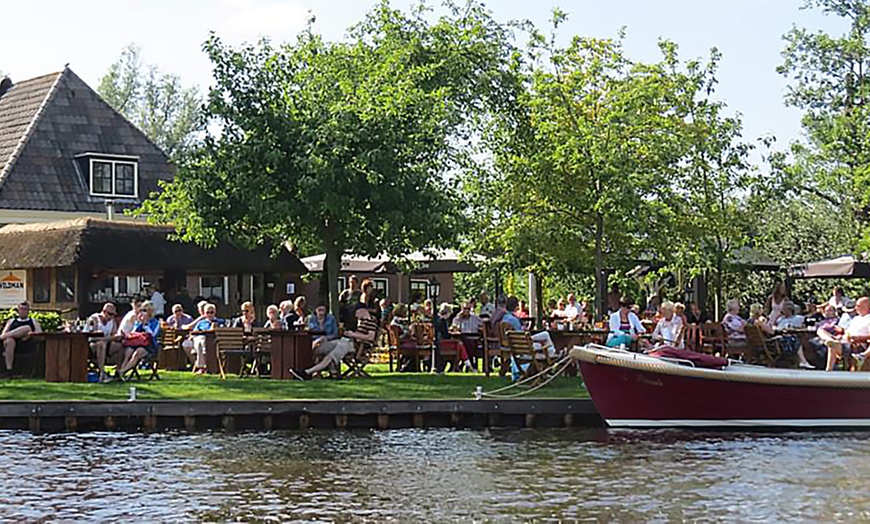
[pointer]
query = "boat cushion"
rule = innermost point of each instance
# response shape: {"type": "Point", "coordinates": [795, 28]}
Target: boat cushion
{"type": "Point", "coordinates": [700, 360]}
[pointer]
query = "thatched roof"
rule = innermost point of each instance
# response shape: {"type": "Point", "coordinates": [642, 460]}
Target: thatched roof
{"type": "Point", "coordinates": [130, 246]}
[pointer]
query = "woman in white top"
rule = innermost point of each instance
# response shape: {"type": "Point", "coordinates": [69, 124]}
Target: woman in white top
{"type": "Point", "coordinates": [625, 326]}
{"type": "Point", "coordinates": [667, 330]}
{"type": "Point", "coordinates": [775, 302]}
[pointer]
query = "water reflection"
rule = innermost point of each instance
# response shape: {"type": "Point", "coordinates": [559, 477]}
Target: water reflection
{"type": "Point", "coordinates": [410, 475]}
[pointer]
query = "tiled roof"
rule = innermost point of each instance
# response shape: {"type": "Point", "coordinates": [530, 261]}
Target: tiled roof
{"type": "Point", "coordinates": [18, 109]}
{"type": "Point", "coordinates": [45, 123]}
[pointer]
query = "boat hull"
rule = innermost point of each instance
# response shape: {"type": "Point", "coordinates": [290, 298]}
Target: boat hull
{"type": "Point", "coordinates": [641, 396]}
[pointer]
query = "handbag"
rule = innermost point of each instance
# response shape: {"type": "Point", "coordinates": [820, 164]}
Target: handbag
{"type": "Point", "coordinates": [136, 339]}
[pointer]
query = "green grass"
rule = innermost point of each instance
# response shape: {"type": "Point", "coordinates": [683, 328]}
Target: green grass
{"type": "Point", "coordinates": [381, 386]}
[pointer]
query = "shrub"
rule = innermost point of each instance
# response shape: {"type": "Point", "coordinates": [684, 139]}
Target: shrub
{"type": "Point", "coordinates": [48, 320]}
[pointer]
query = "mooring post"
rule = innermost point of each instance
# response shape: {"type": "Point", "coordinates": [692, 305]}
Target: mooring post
{"type": "Point", "coordinates": [530, 420]}
{"type": "Point", "coordinates": [71, 423]}
{"type": "Point", "coordinates": [190, 423]}
{"type": "Point", "coordinates": [109, 422]}
{"type": "Point", "coordinates": [303, 421]}
{"type": "Point", "coordinates": [383, 421]}
{"type": "Point", "coordinates": [228, 423]}
{"type": "Point", "coordinates": [149, 422]}
{"type": "Point", "coordinates": [341, 421]}
{"type": "Point", "coordinates": [568, 420]}
{"type": "Point", "coordinates": [455, 420]}
{"type": "Point", "coordinates": [267, 422]}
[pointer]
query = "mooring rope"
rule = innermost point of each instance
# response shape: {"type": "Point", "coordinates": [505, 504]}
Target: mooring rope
{"type": "Point", "coordinates": [564, 362]}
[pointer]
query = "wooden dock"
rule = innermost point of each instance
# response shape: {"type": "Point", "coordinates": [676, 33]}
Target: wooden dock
{"type": "Point", "coordinates": [160, 415]}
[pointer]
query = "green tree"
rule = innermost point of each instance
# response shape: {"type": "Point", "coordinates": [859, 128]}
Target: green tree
{"type": "Point", "coordinates": [340, 147]}
{"type": "Point", "coordinates": [157, 103]}
{"type": "Point", "coordinates": [830, 82]}
{"type": "Point", "coordinates": [584, 175]}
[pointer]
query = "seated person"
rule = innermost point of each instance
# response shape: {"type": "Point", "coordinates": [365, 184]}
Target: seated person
{"type": "Point", "coordinates": [733, 324]}
{"type": "Point", "coordinates": [334, 351]}
{"type": "Point", "coordinates": [323, 322]}
{"type": "Point", "coordinates": [827, 330]}
{"type": "Point", "coordinates": [466, 321]}
{"type": "Point", "coordinates": [297, 316]}
{"type": "Point", "coordinates": [791, 343]}
{"type": "Point", "coordinates": [125, 326]}
{"type": "Point", "coordinates": [757, 318]}
{"type": "Point", "coordinates": [444, 341]}
{"type": "Point", "coordinates": [625, 326]}
{"type": "Point", "coordinates": [247, 320]}
{"type": "Point", "coordinates": [542, 340]}
{"type": "Point", "coordinates": [857, 333]}
{"type": "Point", "coordinates": [573, 310]}
{"type": "Point", "coordinates": [103, 322]}
{"type": "Point", "coordinates": [180, 320]}
{"type": "Point", "coordinates": [16, 331]}
{"type": "Point", "coordinates": [206, 322]}
{"type": "Point", "coordinates": [668, 328]}
{"type": "Point", "coordinates": [273, 319]}
{"type": "Point", "coordinates": [402, 322]}
{"type": "Point", "coordinates": [147, 323]}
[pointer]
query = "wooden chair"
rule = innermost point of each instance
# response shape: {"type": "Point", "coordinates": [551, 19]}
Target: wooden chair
{"type": "Point", "coordinates": [231, 342]}
{"type": "Point", "coordinates": [492, 350]}
{"type": "Point", "coordinates": [713, 339]}
{"type": "Point", "coordinates": [522, 350]}
{"type": "Point", "coordinates": [361, 356]}
{"type": "Point", "coordinates": [418, 351]}
{"type": "Point", "coordinates": [690, 336]}
{"type": "Point", "coordinates": [392, 345]}
{"type": "Point", "coordinates": [171, 356]}
{"type": "Point", "coordinates": [761, 349]}
{"type": "Point", "coordinates": [261, 353]}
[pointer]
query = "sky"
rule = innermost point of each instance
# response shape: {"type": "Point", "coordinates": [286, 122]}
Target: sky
{"type": "Point", "coordinates": [41, 36]}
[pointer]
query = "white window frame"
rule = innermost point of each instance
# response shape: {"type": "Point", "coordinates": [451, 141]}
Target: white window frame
{"type": "Point", "coordinates": [114, 163]}
{"type": "Point", "coordinates": [342, 283]}
{"type": "Point", "coordinates": [419, 281]}
{"type": "Point", "coordinates": [386, 282]}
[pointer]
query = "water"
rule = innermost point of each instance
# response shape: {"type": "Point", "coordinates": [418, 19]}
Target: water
{"type": "Point", "coordinates": [435, 476]}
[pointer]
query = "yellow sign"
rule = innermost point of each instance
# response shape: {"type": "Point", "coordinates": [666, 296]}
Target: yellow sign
{"type": "Point", "coordinates": [13, 288]}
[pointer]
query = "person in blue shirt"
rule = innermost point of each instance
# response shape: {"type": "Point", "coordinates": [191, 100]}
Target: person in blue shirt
{"type": "Point", "coordinates": [325, 322]}
{"type": "Point", "coordinates": [205, 322]}
{"type": "Point", "coordinates": [542, 340]}
{"type": "Point", "coordinates": [146, 323]}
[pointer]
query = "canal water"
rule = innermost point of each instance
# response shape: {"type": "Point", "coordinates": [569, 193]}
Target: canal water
{"type": "Point", "coordinates": [435, 476]}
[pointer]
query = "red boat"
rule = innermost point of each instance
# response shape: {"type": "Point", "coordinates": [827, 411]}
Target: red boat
{"type": "Point", "coordinates": [634, 390]}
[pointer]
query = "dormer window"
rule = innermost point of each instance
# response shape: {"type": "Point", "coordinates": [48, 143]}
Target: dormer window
{"type": "Point", "coordinates": [112, 175]}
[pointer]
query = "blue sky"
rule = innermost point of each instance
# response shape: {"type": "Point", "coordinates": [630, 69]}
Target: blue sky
{"type": "Point", "coordinates": [41, 36]}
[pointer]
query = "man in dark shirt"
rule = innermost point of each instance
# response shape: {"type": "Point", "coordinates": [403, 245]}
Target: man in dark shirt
{"type": "Point", "coordinates": [334, 351]}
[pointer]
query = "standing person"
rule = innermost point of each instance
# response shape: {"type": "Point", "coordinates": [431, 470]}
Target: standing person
{"type": "Point", "coordinates": [183, 298]}
{"type": "Point", "coordinates": [838, 299]}
{"type": "Point", "coordinates": [487, 308]}
{"type": "Point", "coordinates": [775, 302]}
{"type": "Point", "coordinates": [148, 323]}
{"type": "Point", "coordinates": [324, 322]}
{"type": "Point", "coordinates": [159, 302]}
{"type": "Point", "coordinates": [625, 326]}
{"type": "Point", "coordinates": [102, 322]}
{"type": "Point", "coordinates": [347, 301]}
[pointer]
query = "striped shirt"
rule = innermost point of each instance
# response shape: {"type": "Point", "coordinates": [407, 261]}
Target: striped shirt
{"type": "Point", "coordinates": [367, 327]}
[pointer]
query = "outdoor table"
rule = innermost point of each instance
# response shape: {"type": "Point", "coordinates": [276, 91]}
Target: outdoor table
{"type": "Point", "coordinates": [290, 349]}
{"type": "Point", "coordinates": [473, 345]}
{"type": "Point", "coordinates": [563, 339]}
{"type": "Point", "coordinates": [66, 355]}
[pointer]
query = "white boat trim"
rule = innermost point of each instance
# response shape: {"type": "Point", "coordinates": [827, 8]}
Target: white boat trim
{"type": "Point", "coordinates": [740, 423]}
{"type": "Point", "coordinates": [603, 355]}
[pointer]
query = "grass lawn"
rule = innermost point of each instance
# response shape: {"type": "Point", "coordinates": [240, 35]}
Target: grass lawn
{"type": "Point", "coordinates": [382, 386]}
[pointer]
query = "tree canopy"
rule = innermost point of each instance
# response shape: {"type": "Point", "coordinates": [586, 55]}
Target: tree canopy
{"type": "Point", "coordinates": [340, 147]}
{"type": "Point", "coordinates": [157, 103]}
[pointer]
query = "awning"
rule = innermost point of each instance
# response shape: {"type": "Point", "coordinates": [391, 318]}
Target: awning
{"type": "Point", "coordinates": [841, 267]}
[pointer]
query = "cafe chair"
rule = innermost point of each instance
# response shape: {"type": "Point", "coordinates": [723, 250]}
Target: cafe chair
{"type": "Point", "coordinates": [522, 351]}
{"type": "Point", "coordinates": [713, 340]}
{"type": "Point", "coordinates": [261, 353]}
{"type": "Point", "coordinates": [171, 356]}
{"type": "Point", "coordinates": [230, 342]}
{"type": "Point", "coordinates": [357, 360]}
{"type": "Point", "coordinates": [761, 349]}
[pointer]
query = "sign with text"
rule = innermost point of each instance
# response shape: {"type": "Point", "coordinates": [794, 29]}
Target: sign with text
{"type": "Point", "coordinates": [13, 287]}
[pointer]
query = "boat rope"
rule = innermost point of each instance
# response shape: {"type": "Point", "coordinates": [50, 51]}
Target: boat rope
{"type": "Point", "coordinates": [564, 363]}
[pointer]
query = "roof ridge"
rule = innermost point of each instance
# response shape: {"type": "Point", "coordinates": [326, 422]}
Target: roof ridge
{"type": "Point", "coordinates": [10, 162]}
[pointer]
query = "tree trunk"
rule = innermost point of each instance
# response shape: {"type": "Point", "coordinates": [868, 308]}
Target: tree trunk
{"type": "Point", "coordinates": [719, 264]}
{"type": "Point", "coordinates": [332, 265]}
{"type": "Point", "coordinates": [600, 282]}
